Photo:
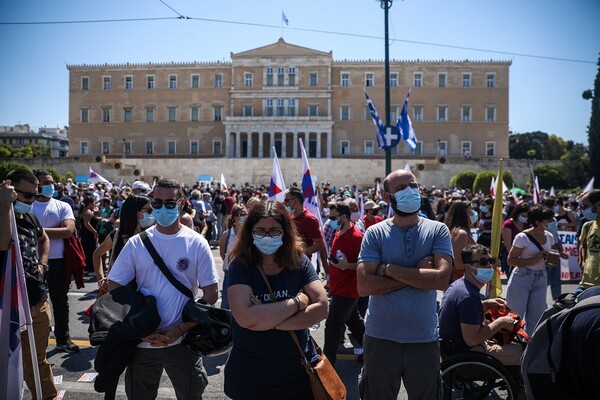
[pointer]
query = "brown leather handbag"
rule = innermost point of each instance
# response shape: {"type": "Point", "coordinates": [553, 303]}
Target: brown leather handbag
{"type": "Point", "coordinates": [325, 382]}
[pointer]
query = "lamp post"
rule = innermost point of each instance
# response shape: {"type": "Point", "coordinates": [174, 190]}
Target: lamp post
{"type": "Point", "coordinates": [386, 4]}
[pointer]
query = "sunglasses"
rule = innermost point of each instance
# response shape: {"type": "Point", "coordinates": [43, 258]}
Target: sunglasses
{"type": "Point", "coordinates": [170, 204]}
{"type": "Point", "coordinates": [485, 261]}
{"type": "Point", "coordinates": [27, 195]}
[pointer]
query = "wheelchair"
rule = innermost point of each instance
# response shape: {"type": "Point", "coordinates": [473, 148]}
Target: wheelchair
{"type": "Point", "coordinates": [473, 375]}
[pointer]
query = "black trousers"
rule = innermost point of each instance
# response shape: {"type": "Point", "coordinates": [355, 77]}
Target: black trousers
{"type": "Point", "coordinates": [342, 311]}
{"type": "Point", "coordinates": [58, 289]}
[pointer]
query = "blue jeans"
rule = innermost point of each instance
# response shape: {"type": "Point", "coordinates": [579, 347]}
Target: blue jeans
{"type": "Point", "coordinates": [553, 274]}
{"type": "Point", "coordinates": [526, 295]}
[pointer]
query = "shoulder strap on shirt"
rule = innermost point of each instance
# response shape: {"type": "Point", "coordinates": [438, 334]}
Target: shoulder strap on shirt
{"type": "Point", "coordinates": [534, 241]}
{"type": "Point", "coordinates": [163, 268]}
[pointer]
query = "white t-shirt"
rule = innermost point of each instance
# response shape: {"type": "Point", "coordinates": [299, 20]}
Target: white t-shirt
{"type": "Point", "coordinates": [188, 257]}
{"type": "Point", "coordinates": [530, 249]}
{"type": "Point", "coordinates": [51, 214]}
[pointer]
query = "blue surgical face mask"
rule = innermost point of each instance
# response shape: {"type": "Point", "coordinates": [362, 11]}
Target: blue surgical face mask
{"type": "Point", "coordinates": [522, 219]}
{"type": "Point", "coordinates": [147, 220]}
{"type": "Point", "coordinates": [165, 217]}
{"type": "Point", "coordinates": [22, 208]}
{"type": "Point", "coordinates": [474, 217]}
{"type": "Point", "coordinates": [589, 214]}
{"type": "Point", "coordinates": [484, 275]}
{"type": "Point", "coordinates": [408, 200]}
{"type": "Point", "coordinates": [268, 245]}
{"type": "Point", "coordinates": [484, 209]}
{"type": "Point", "coordinates": [335, 225]}
{"type": "Point", "coordinates": [47, 190]}
{"type": "Point", "coordinates": [290, 210]}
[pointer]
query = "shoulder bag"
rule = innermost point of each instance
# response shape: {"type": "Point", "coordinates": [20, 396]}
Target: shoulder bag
{"type": "Point", "coordinates": [325, 382]}
{"type": "Point", "coordinates": [213, 333]}
{"type": "Point", "coordinates": [553, 257]}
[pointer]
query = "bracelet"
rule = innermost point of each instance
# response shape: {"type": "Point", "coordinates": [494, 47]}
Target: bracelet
{"type": "Point", "coordinates": [180, 330]}
{"type": "Point", "coordinates": [297, 300]}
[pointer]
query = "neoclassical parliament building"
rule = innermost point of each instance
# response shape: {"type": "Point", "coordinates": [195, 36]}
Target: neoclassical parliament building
{"type": "Point", "coordinates": [269, 97]}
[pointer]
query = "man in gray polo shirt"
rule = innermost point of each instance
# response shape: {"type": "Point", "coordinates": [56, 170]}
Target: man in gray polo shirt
{"type": "Point", "coordinates": [403, 261]}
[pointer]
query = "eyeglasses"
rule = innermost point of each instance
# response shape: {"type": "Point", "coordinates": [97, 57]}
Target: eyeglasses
{"type": "Point", "coordinates": [485, 261]}
{"type": "Point", "coordinates": [170, 204]}
{"type": "Point", "coordinates": [261, 233]}
{"type": "Point", "coordinates": [27, 195]}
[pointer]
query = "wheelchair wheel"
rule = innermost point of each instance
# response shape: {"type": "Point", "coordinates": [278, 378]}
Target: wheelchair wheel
{"type": "Point", "coordinates": [476, 376]}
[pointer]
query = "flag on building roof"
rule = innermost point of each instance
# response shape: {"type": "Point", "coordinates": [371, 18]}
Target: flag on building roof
{"type": "Point", "coordinates": [405, 126]}
{"type": "Point", "coordinates": [377, 121]}
{"type": "Point", "coordinates": [97, 178]}
{"type": "Point", "coordinates": [284, 19]}
{"type": "Point", "coordinates": [277, 185]}
{"type": "Point", "coordinates": [223, 185]}
{"type": "Point", "coordinates": [495, 286]}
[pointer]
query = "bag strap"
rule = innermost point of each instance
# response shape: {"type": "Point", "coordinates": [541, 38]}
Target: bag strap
{"type": "Point", "coordinates": [303, 359]}
{"type": "Point", "coordinates": [534, 241]}
{"type": "Point", "coordinates": [163, 268]}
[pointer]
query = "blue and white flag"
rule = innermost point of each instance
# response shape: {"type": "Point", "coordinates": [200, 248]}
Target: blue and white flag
{"type": "Point", "coordinates": [377, 121]}
{"type": "Point", "coordinates": [405, 126]}
{"type": "Point", "coordinates": [284, 19]}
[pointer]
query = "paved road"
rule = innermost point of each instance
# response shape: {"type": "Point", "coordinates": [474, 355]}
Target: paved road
{"type": "Point", "coordinates": [73, 366]}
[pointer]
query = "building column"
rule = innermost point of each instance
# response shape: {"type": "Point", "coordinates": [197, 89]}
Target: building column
{"type": "Point", "coordinates": [283, 145]}
{"type": "Point", "coordinates": [295, 145]}
{"type": "Point", "coordinates": [238, 145]}
{"type": "Point", "coordinates": [306, 143]}
{"type": "Point", "coordinates": [318, 144]}
{"type": "Point", "coordinates": [329, 137]}
{"type": "Point", "coordinates": [272, 144]}
{"type": "Point", "coordinates": [228, 152]}
{"type": "Point", "coordinates": [260, 144]}
{"type": "Point", "coordinates": [249, 142]}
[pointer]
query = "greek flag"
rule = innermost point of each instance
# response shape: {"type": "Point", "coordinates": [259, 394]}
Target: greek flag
{"type": "Point", "coordinates": [405, 126]}
{"type": "Point", "coordinates": [284, 19]}
{"type": "Point", "coordinates": [277, 185]}
{"type": "Point", "coordinates": [377, 121]}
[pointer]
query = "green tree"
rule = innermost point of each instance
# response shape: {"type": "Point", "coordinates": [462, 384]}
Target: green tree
{"type": "Point", "coordinates": [483, 182]}
{"type": "Point", "coordinates": [7, 166]}
{"type": "Point", "coordinates": [5, 152]}
{"type": "Point", "coordinates": [40, 151]}
{"type": "Point", "coordinates": [594, 128]}
{"type": "Point", "coordinates": [519, 144]}
{"type": "Point", "coordinates": [464, 180]}
{"type": "Point", "coordinates": [576, 166]}
{"type": "Point", "coordinates": [548, 176]}
{"type": "Point", "coordinates": [555, 148]}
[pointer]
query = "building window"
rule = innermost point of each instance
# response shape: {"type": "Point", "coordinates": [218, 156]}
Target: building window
{"type": "Point", "coordinates": [218, 80]}
{"type": "Point", "coordinates": [442, 80]}
{"type": "Point", "coordinates": [195, 81]}
{"type": "Point", "coordinates": [216, 147]}
{"type": "Point", "coordinates": [466, 80]}
{"type": "Point", "coordinates": [217, 113]}
{"type": "Point", "coordinates": [490, 114]}
{"type": "Point", "coordinates": [369, 147]}
{"type": "Point", "coordinates": [369, 79]}
{"type": "Point", "coordinates": [85, 83]}
{"type": "Point", "coordinates": [465, 149]}
{"type": "Point", "coordinates": [106, 114]}
{"type": "Point", "coordinates": [417, 79]}
{"type": "Point", "coordinates": [171, 114]}
{"type": "Point", "coordinates": [171, 147]}
{"type": "Point", "coordinates": [393, 114]}
{"type": "Point", "coordinates": [291, 107]}
{"type": "Point", "coordinates": [280, 107]}
{"type": "Point", "coordinates": [394, 79]}
{"type": "Point", "coordinates": [127, 147]}
{"type": "Point", "coordinates": [465, 112]}
{"type": "Point", "coordinates": [442, 148]}
{"type": "Point", "coordinates": [269, 73]}
{"type": "Point", "coordinates": [194, 147]}
{"type": "Point", "coordinates": [150, 81]}
{"type": "Point", "coordinates": [344, 113]}
{"type": "Point", "coordinates": [418, 149]}
{"type": "Point", "coordinates": [127, 111]}
{"type": "Point", "coordinates": [172, 81]}
{"type": "Point", "coordinates": [195, 114]}
{"type": "Point", "coordinates": [149, 147]}
{"type": "Point", "coordinates": [442, 112]}
{"type": "Point", "coordinates": [247, 110]}
{"type": "Point", "coordinates": [105, 147]}
{"type": "Point", "coordinates": [84, 115]}
{"type": "Point", "coordinates": [345, 79]}
{"type": "Point", "coordinates": [149, 114]}
{"type": "Point", "coordinates": [344, 147]}
{"type": "Point", "coordinates": [280, 76]}
{"type": "Point", "coordinates": [312, 79]}
{"type": "Point", "coordinates": [248, 79]}
{"type": "Point", "coordinates": [84, 147]}
{"type": "Point", "coordinates": [368, 116]}
{"type": "Point", "coordinates": [128, 82]}
{"type": "Point", "coordinates": [268, 107]}
{"type": "Point", "coordinates": [313, 110]}
{"type": "Point", "coordinates": [490, 149]}
{"type": "Point", "coordinates": [106, 82]}
{"type": "Point", "coordinates": [418, 113]}
{"type": "Point", "coordinates": [490, 79]}
{"type": "Point", "coordinates": [292, 76]}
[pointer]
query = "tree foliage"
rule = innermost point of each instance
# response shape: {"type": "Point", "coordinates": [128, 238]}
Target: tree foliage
{"type": "Point", "coordinates": [7, 166]}
{"type": "Point", "coordinates": [594, 127]}
{"type": "Point", "coordinates": [520, 144]}
{"type": "Point", "coordinates": [483, 181]}
{"type": "Point", "coordinates": [30, 151]}
{"type": "Point", "coordinates": [464, 180]}
{"type": "Point", "coordinates": [549, 175]}
{"type": "Point", "coordinates": [576, 166]}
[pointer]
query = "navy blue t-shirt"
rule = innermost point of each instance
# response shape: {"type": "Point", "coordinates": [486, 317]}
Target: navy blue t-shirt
{"type": "Point", "coordinates": [266, 364]}
{"type": "Point", "coordinates": [461, 304]}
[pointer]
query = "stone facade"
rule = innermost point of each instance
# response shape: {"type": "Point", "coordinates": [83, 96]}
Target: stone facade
{"type": "Point", "coordinates": [268, 98]}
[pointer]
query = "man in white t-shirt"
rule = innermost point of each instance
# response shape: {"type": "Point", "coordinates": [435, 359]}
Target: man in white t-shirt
{"type": "Point", "coordinates": [188, 256]}
{"type": "Point", "coordinates": [58, 221]}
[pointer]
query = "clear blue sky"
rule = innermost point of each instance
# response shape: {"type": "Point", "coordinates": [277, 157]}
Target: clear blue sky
{"type": "Point", "coordinates": [544, 94]}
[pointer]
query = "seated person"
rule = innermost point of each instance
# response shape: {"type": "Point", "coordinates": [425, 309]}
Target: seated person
{"type": "Point", "coordinates": [461, 312]}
